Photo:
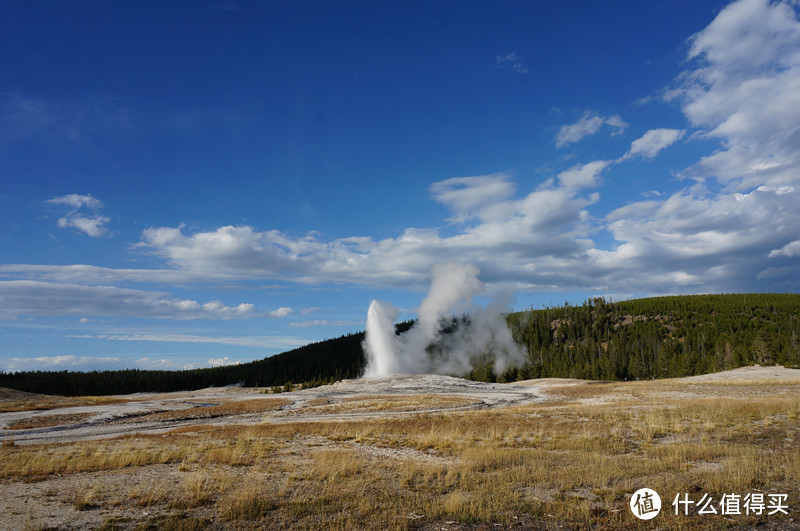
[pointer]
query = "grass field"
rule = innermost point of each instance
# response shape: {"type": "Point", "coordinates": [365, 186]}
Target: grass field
{"type": "Point", "coordinates": [573, 461]}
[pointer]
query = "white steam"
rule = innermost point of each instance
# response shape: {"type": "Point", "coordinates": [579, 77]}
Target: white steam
{"type": "Point", "coordinates": [426, 347]}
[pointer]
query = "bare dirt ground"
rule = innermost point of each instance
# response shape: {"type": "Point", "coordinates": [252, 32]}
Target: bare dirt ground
{"type": "Point", "coordinates": [56, 478]}
{"type": "Point", "coordinates": [357, 399]}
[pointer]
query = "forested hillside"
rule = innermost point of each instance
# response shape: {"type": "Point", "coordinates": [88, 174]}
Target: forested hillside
{"type": "Point", "coordinates": [644, 338]}
{"type": "Point", "coordinates": [659, 337]}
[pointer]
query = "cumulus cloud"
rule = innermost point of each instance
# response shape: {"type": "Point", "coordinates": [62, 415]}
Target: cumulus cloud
{"type": "Point", "coordinates": [466, 197]}
{"type": "Point", "coordinates": [588, 125]}
{"type": "Point", "coordinates": [92, 225]}
{"type": "Point", "coordinates": [694, 239]}
{"type": "Point", "coordinates": [790, 249]}
{"type": "Point", "coordinates": [582, 175]}
{"type": "Point", "coordinates": [652, 142]}
{"type": "Point", "coordinates": [283, 311]}
{"type": "Point", "coordinates": [745, 92]}
{"type": "Point", "coordinates": [505, 236]}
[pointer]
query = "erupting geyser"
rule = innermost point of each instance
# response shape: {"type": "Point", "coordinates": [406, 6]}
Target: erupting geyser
{"type": "Point", "coordinates": [452, 288]}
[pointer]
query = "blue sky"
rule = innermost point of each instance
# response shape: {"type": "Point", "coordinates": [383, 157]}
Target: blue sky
{"type": "Point", "coordinates": [187, 184]}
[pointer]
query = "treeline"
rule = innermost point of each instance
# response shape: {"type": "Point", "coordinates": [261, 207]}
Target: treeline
{"type": "Point", "coordinates": [657, 337]}
{"type": "Point", "coordinates": [311, 365]}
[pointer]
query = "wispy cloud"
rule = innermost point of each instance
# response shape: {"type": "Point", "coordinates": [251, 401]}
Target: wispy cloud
{"type": "Point", "coordinates": [87, 363]}
{"type": "Point", "coordinates": [324, 322]}
{"type": "Point", "coordinates": [266, 342]}
{"type": "Point", "coordinates": [76, 201]}
{"type": "Point", "coordinates": [652, 142]}
{"type": "Point", "coordinates": [511, 62]}
{"type": "Point", "coordinates": [30, 297]}
{"type": "Point", "coordinates": [588, 125]}
{"type": "Point", "coordinates": [64, 124]}
{"type": "Point", "coordinates": [89, 274]}
{"type": "Point", "coordinates": [56, 363]}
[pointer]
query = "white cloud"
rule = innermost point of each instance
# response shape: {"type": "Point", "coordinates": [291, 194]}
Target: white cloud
{"type": "Point", "coordinates": [324, 322]}
{"type": "Point", "coordinates": [88, 274]}
{"type": "Point", "coordinates": [283, 311]}
{"type": "Point", "coordinates": [506, 236]}
{"type": "Point", "coordinates": [76, 201]}
{"type": "Point", "coordinates": [588, 125]}
{"type": "Point", "coordinates": [718, 242]}
{"type": "Point", "coordinates": [747, 36]}
{"type": "Point", "coordinates": [745, 92]}
{"type": "Point", "coordinates": [582, 175]}
{"type": "Point", "coordinates": [91, 225]}
{"type": "Point", "coordinates": [266, 342]}
{"type": "Point", "coordinates": [652, 142]}
{"type": "Point", "coordinates": [30, 297]}
{"type": "Point", "coordinates": [791, 249]}
{"type": "Point", "coordinates": [221, 362]}
{"type": "Point", "coordinates": [162, 364]}
{"type": "Point", "coordinates": [746, 97]}
{"type": "Point", "coordinates": [60, 363]}
{"type": "Point", "coordinates": [652, 193]}
{"type": "Point", "coordinates": [468, 196]}
{"type": "Point", "coordinates": [91, 363]}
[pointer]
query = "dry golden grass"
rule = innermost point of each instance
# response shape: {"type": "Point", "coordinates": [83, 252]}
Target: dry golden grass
{"type": "Point", "coordinates": [225, 409]}
{"type": "Point", "coordinates": [568, 463]}
{"type": "Point", "coordinates": [46, 421]}
{"type": "Point", "coordinates": [11, 401]}
{"type": "Point", "coordinates": [387, 404]}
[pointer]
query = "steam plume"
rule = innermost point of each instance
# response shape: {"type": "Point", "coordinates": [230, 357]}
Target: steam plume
{"type": "Point", "coordinates": [425, 347]}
